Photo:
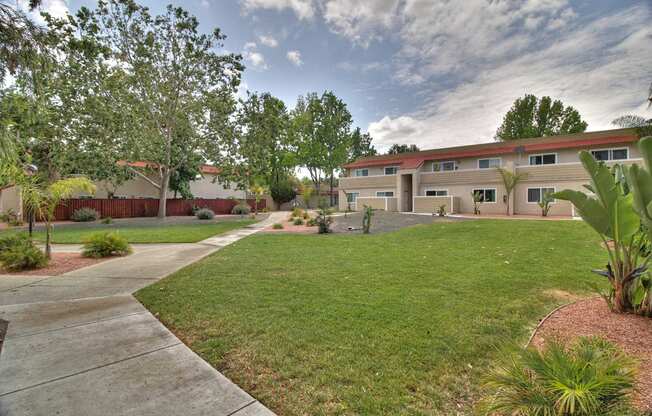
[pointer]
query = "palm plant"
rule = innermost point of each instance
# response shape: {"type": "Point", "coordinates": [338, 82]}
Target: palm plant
{"type": "Point", "coordinates": [546, 200]}
{"type": "Point", "coordinates": [591, 377]}
{"type": "Point", "coordinates": [258, 191]}
{"type": "Point", "coordinates": [476, 197]}
{"type": "Point", "coordinates": [42, 199]}
{"type": "Point", "coordinates": [510, 180]}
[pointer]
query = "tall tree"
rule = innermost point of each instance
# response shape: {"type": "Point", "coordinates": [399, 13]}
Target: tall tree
{"type": "Point", "coordinates": [20, 37]}
{"type": "Point", "coordinates": [402, 148]}
{"type": "Point", "coordinates": [303, 130]}
{"type": "Point", "coordinates": [533, 117]}
{"type": "Point", "coordinates": [172, 80]}
{"type": "Point", "coordinates": [264, 145]}
{"type": "Point", "coordinates": [631, 120]}
{"type": "Point", "coordinates": [361, 145]}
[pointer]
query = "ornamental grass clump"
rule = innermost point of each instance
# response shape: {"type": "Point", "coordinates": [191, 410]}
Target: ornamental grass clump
{"type": "Point", "coordinates": [588, 378]}
{"type": "Point", "coordinates": [105, 244]}
{"type": "Point", "coordinates": [18, 252]}
{"type": "Point", "coordinates": [85, 215]}
{"type": "Point", "coordinates": [205, 214]}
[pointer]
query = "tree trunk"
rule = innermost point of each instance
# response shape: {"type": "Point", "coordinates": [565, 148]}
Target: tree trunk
{"type": "Point", "coordinates": [508, 203]}
{"type": "Point", "coordinates": [48, 245]}
{"type": "Point", "coordinates": [331, 191]}
{"type": "Point", "coordinates": [619, 299]}
{"type": "Point", "coordinates": [163, 194]}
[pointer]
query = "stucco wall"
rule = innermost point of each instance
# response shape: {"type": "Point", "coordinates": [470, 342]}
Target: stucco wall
{"type": "Point", "coordinates": [10, 200]}
{"type": "Point", "coordinates": [430, 204]}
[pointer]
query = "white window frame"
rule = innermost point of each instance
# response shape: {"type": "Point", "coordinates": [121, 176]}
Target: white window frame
{"type": "Point", "coordinates": [390, 167]}
{"type": "Point", "coordinates": [425, 191]}
{"type": "Point", "coordinates": [540, 188]}
{"type": "Point", "coordinates": [499, 159]}
{"type": "Point", "coordinates": [388, 190]}
{"type": "Point", "coordinates": [610, 151]}
{"type": "Point", "coordinates": [529, 159]}
{"type": "Point", "coordinates": [487, 189]}
{"type": "Point", "coordinates": [441, 162]}
{"type": "Point", "coordinates": [355, 173]}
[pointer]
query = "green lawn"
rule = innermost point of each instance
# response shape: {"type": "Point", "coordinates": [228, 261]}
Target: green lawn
{"type": "Point", "coordinates": [185, 233]}
{"type": "Point", "coordinates": [397, 323]}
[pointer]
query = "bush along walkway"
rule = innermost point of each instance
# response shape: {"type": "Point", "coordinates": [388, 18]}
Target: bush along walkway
{"type": "Point", "coordinates": [80, 344]}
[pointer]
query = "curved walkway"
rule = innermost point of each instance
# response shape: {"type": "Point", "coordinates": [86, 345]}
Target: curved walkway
{"type": "Point", "coordinates": [81, 344]}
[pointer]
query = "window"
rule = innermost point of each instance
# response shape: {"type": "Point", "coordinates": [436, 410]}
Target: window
{"type": "Point", "coordinates": [442, 166]}
{"type": "Point", "coordinates": [489, 163]}
{"type": "Point", "coordinates": [391, 170]}
{"type": "Point", "coordinates": [611, 154]}
{"type": "Point", "coordinates": [351, 197]}
{"type": "Point", "coordinates": [535, 195]}
{"type": "Point", "coordinates": [436, 192]}
{"type": "Point", "coordinates": [546, 159]}
{"type": "Point", "coordinates": [385, 194]}
{"type": "Point", "coordinates": [362, 172]}
{"type": "Point", "coordinates": [486, 195]}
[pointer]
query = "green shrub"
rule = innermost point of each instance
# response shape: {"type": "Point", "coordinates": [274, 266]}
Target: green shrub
{"type": "Point", "coordinates": [241, 209]}
{"type": "Point", "coordinates": [277, 226]}
{"type": "Point", "coordinates": [590, 377]}
{"type": "Point", "coordinates": [298, 221]}
{"type": "Point", "coordinates": [107, 220]}
{"type": "Point", "coordinates": [18, 252]}
{"type": "Point", "coordinates": [205, 214]}
{"type": "Point", "coordinates": [297, 212]}
{"type": "Point", "coordinates": [312, 222]}
{"type": "Point", "coordinates": [283, 192]}
{"type": "Point", "coordinates": [105, 244]}
{"type": "Point", "coordinates": [85, 215]}
{"type": "Point", "coordinates": [10, 217]}
{"type": "Point", "coordinates": [324, 221]}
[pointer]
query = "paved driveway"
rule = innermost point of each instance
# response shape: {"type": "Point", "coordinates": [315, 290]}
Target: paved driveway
{"type": "Point", "coordinates": [80, 344]}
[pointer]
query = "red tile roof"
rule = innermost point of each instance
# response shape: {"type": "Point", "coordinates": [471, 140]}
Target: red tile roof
{"type": "Point", "coordinates": [415, 159]}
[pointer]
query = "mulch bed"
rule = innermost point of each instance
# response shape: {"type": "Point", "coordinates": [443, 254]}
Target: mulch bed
{"type": "Point", "coordinates": [592, 317]}
{"type": "Point", "coordinates": [289, 227]}
{"type": "Point", "coordinates": [60, 263]}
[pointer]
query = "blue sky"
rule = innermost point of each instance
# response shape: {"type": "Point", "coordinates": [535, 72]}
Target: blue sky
{"type": "Point", "coordinates": [438, 73]}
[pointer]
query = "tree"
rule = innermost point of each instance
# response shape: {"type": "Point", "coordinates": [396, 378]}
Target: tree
{"type": "Point", "coordinates": [42, 199]}
{"type": "Point", "coordinates": [533, 117]}
{"type": "Point", "coordinates": [361, 145]}
{"type": "Point", "coordinates": [631, 120]}
{"type": "Point", "coordinates": [182, 176]}
{"type": "Point", "coordinates": [510, 180]}
{"type": "Point", "coordinates": [258, 191]}
{"type": "Point", "coordinates": [20, 37]}
{"type": "Point", "coordinates": [321, 128]}
{"type": "Point", "coordinates": [402, 148]}
{"type": "Point", "coordinates": [264, 145]}
{"type": "Point", "coordinates": [173, 82]}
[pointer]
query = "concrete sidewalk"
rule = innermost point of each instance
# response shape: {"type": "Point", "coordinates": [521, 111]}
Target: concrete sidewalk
{"type": "Point", "coordinates": [80, 344]}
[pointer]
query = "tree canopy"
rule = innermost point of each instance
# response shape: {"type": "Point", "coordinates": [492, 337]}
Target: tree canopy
{"type": "Point", "coordinates": [534, 117]}
{"type": "Point", "coordinates": [402, 148]}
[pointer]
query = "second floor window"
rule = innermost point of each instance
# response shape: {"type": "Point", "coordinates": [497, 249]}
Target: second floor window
{"type": "Point", "coordinates": [443, 166]}
{"type": "Point", "coordinates": [546, 159]}
{"type": "Point", "coordinates": [489, 163]}
{"type": "Point", "coordinates": [391, 170]}
{"type": "Point", "coordinates": [611, 154]}
{"type": "Point", "coordinates": [362, 172]}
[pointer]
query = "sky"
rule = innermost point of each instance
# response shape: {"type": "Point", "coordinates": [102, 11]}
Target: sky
{"type": "Point", "coordinates": [437, 73]}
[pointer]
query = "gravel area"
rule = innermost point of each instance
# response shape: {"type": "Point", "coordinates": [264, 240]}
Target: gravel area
{"type": "Point", "coordinates": [592, 317]}
{"type": "Point", "coordinates": [60, 263]}
{"type": "Point", "coordinates": [384, 221]}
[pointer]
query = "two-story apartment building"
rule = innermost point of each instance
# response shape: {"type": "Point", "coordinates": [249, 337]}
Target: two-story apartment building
{"type": "Point", "coordinates": [422, 181]}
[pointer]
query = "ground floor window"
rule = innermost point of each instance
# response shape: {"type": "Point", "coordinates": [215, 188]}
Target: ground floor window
{"type": "Point", "coordinates": [536, 195]}
{"type": "Point", "coordinates": [485, 195]}
{"type": "Point", "coordinates": [385, 194]}
{"type": "Point", "coordinates": [436, 192]}
{"type": "Point", "coordinates": [352, 197]}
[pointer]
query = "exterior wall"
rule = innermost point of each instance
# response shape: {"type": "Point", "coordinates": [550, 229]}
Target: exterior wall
{"type": "Point", "coordinates": [10, 200]}
{"type": "Point", "coordinates": [430, 204]}
{"type": "Point", "coordinates": [373, 202]}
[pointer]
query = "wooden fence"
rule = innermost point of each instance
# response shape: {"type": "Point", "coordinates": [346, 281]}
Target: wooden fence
{"type": "Point", "coordinates": [127, 208]}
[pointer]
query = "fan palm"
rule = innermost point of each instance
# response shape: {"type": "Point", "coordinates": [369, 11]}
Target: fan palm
{"type": "Point", "coordinates": [510, 180]}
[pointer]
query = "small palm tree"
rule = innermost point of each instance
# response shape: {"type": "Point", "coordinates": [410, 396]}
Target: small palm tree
{"type": "Point", "coordinates": [591, 377]}
{"type": "Point", "coordinates": [42, 199]}
{"type": "Point", "coordinates": [510, 180]}
{"type": "Point", "coordinates": [258, 191]}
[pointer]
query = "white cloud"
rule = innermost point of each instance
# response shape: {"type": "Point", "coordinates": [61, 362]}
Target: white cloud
{"type": "Point", "coordinates": [268, 41]}
{"type": "Point", "coordinates": [57, 8]}
{"type": "Point", "coordinates": [295, 58]}
{"type": "Point", "coordinates": [361, 21]}
{"type": "Point", "coordinates": [601, 68]}
{"type": "Point", "coordinates": [304, 9]}
{"type": "Point", "coordinates": [205, 3]}
{"type": "Point", "coordinates": [253, 57]}
{"type": "Point", "coordinates": [249, 46]}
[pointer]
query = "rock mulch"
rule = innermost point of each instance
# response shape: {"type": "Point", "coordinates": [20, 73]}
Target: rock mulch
{"type": "Point", "coordinates": [60, 263]}
{"type": "Point", "coordinates": [592, 317]}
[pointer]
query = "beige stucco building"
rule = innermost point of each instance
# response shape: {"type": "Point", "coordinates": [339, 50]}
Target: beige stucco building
{"type": "Point", "coordinates": [422, 181]}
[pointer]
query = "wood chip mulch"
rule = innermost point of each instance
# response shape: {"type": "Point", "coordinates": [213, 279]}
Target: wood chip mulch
{"type": "Point", "coordinates": [592, 317]}
{"type": "Point", "coordinates": [60, 263]}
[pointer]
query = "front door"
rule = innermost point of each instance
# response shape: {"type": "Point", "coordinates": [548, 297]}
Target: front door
{"type": "Point", "coordinates": [406, 186]}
